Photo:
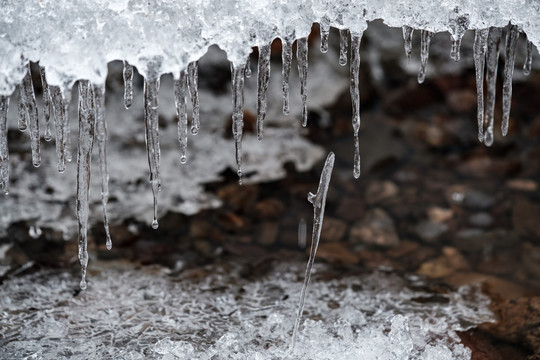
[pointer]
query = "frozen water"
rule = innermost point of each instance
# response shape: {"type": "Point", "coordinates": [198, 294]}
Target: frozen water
{"type": "Point", "coordinates": [151, 313]}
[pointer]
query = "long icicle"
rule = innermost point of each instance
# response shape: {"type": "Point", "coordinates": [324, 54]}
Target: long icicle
{"type": "Point", "coordinates": [180, 93]}
{"type": "Point", "coordinates": [528, 60]}
{"type": "Point", "coordinates": [151, 120]}
{"type": "Point", "coordinates": [355, 99]}
{"type": "Point", "coordinates": [248, 67]}
{"type": "Point", "coordinates": [424, 54]}
{"type": "Point", "coordinates": [47, 104]}
{"type": "Point", "coordinates": [492, 61]}
{"type": "Point", "coordinates": [263, 78]}
{"type": "Point", "coordinates": [319, 202]}
{"type": "Point", "coordinates": [128, 84]}
{"type": "Point", "coordinates": [193, 83]}
{"type": "Point", "coordinates": [60, 105]}
{"type": "Point", "coordinates": [4, 153]}
{"type": "Point", "coordinates": [407, 40]}
{"type": "Point", "coordinates": [286, 59]}
{"type": "Point", "coordinates": [480, 44]}
{"type": "Point", "coordinates": [21, 109]}
{"type": "Point", "coordinates": [325, 33]}
{"type": "Point", "coordinates": [343, 39]}
{"type": "Point", "coordinates": [302, 58]}
{"type": "Point", "coordinates": [84, 155]}
{"type": "Point", "coordinates": [511, 43]}
{"type": "Point", "coordinates": [101, 138]}
{"type": "Point", "coordinates": [238, 115]}
{"type": "Point", "coordinates": [32, 116]}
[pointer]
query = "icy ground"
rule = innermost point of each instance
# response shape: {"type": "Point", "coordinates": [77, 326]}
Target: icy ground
{"type": "Point", "coordinates": [215, 313]}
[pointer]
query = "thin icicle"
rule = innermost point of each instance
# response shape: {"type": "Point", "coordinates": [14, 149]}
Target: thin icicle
{"type": "Point", "coordinates": [193, 83]}
{"type": "Point", "coordinates": [151, 120]}
{"type": "Point", "coordinates": [84, 155]}
{"type": "Point", "coordinates": [128, 84]}
{"type": "Point", "coordinates": [47, 104]}
{"type": "Point", "coordinates": [407, 40]}
{"type": "Point", "coordinates": [319, 202]}
{"type": "Point", "coordinates": [180, 93]}
{"type": "Point", "coordinates": [511, 43]}
{"type": "Point", "coordinates": [355, 98]}
{"type": "Point", "coordinates": [60, 105]}
{"type": "Point", "coordinates": [458, 26]}
{"type": "Point", "coordinates": [424, 54]}
{"type": "Point", "coordinates": [286, 59]}
{"type": "Point", "coordinates": [492, 61]}
{"type": "Point", "coordinates": [101, 138]}
{"type": "Point", "coordinates": [248, 67]}
{"type": "Point", "coordinates": [21, 109]}
{"type": "Point", "coordinates": [343, 43]}
{"type": "Point", "coordinates": [238, 115]}
{"type": "Point", "coordinates": [528, 60]}
{"type": "Point", "coordinates": [262, 86]}
{"type": "Point", "coordinates": [4, 153]}
{"type": "Point", "coordinates": [325, 32]}
{"type": "Point", "coordinates": [480, 44]}
{"type": "Point", "coordinates": [32, 116]}
{"type": "Point", "coordinates": [302, 58]}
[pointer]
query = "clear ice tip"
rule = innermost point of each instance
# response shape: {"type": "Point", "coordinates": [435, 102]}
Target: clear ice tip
{"type": "Point", "coordinates": [155, 224]}
{"type": "Point", "coordinates": [183, 159]}
{"type": "Point", "coordinates": [83, 284]}
{"type": "Point", "coordinates": [109, 244]}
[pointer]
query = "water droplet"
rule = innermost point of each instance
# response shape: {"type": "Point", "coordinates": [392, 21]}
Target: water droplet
{"type": "Point", "coordinates": [155, 224]}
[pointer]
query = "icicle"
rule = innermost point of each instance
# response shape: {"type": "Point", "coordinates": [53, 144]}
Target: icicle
{"type": "Point", "coordinates": [61, 123]}
{"type": "Point", "coordinates": [238, 115]}
{"type": "Point", "coordinates": [101, 138]}
{"type": "Point", "coordinates": [151, 119]}
{"type": "Point", "coordinates": [84, 155]}
{"type": "Point", "coordinates": [32, 115]}
{"type": "Point", "coordinates": [407, 38]}
{"type": "Point", "coordinates": [480, 43]}
{"type": "Point", "coordinates": [4, 154]}
{"type": "Point", "coordinates": [355, 98]}
{"type": "Point", "coordinates": [248, 67]}
{"type": "Point", "coordinates": [492, 60]}
{"type": "Point", "coordinates": [458, 27]}
{"type": "Point", "coordinates": [47, 104]}
{"type": "Point", "coordinates": [424, 54]}
{"type": "Point", "coordinates": [262, 86]}
{"type": "Point", "coordinates": [343, 38]}
{"type": "Point", "coordinates": [528, 60]}
{"type": "Point", "coordinates": [302, 58]}
{"type": "Point", "coordinates": [325, 32]}
{"type": "Point", "coordinates": [319, 202]}
{"type": "Point", "coordinates": [511, 43]}
{"type": "Point", "coordinates": [128, 84]}
{"type": "Point", "coordinates": [193, 81]}
{"type": "Point", "coordinates": [180, 92]}
{"type": "Point", "coordinates": [21, 109]}
{"type": "Point", "coordinates": [286, 59]}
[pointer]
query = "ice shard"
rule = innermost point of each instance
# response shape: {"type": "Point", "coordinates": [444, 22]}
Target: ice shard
{"type": "Point", "coordinates": [47, 104]}
{"type": "Point", "coordinates": [511, 43]}
{"type": "Point", "coordinates": [263, 78]}
{"type": "Point", "coordinates": [302, 58]}
{"type": "Point", "coordinates": [459, 23]}
{"type": "Point", "coordinates": [31, 109]}
{"type": "Point", "coordinates": [343, 44]}
{"type": "Point", "coordinates": [60, 103]}
{"type": "Point", "coordinates": [407, 40]}
{"type": "Point", "coordinates": [151, 121]}
{"type": "Point", "coordinates": [84, 156]}
{"type": "Point", "coordinates": [492, 61]}
{"type": "Point", "coordinates": [325, 32]}
{"type": "Point", "coordinates": [21, 109]}
{"type": "Point", "coordinates": [528, 60]}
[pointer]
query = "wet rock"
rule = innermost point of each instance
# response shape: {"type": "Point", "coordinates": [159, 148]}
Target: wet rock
{"type": "Point", "coordinates": [470, 240]}
{"type": "Point", "coordinates": [200, 228]}
{"type": "Point", "coordinates": [531, 259]}
{"type": "Point", "coordinates": [476, 199]}
{"type": "Point", "coordinates": [461, 101]}
{"type": "Point", "coordinates": [481, 219]}
{"type": "Point", "coordinates": [439, 214]}
{"type": "Point", "coordinates": [525, 216]}
{"type": "Point", "coordinates": [522, 184]}
{"type": "Point", "coordinates": [333, 229]}
{"type": "Point", "coordinates": [376, 228]}
{"type": "Point", "coordinates": [429, 231]}
{"type": "Point", "coordinates": [449, 262]}
{"type": "Point", "coordinates": [337, 252]}
{"type": "Point", "coordinates": [239, 197]}
{"type": "Point", "coordinates": [232, 222]}
{"type": "Point", "coordinates": [350, 209]}
{"type": "Point", "coordinates": [379, 191]}
{"type": "Point", "coordinates": [269, 208]}
{"type": "Point", "coordinates": [268, 233]}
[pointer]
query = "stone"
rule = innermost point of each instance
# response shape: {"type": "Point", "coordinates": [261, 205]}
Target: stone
{"type": "Point", "coordinates": [429, 231]}
{"type": "Point", "coordinates": [376, 228]}
{"type": "Point", "coordinates": [239, 197]}
{"type": "Point", "coordinates": [522, 184]}
{"type": "Point", "coordinates": [439, 214]}
{"type": "Point", "coordinates": [379, 191]}
{"type": "Point", "coordinates": [481, 219]}
{"type": "Point", "coordinates": [333, 229]}
{"type": "Point", "coordinates": [232, 222]}
{"type": "Point", "coordinates": [337, 252]}
{"type": "Point", "coordinates": [267, 234]}
{"type": "Point", "coordinates": [449, 262]}
{"type": "Point", "coordinates": [350, 209]}
{"type": "Point", "coordinates": [526, 219]}
{"type": "Point", "coordinates": [480, 200]}
{"type": "Point", "coordinates": [269, 208]}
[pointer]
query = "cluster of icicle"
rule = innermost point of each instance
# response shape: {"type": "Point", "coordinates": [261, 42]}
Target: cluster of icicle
{"type": "Point", "coordinates": [92, 125]}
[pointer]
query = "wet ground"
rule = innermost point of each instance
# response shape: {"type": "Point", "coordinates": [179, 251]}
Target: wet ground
{"type": "Point", "coordinates": [431, 201]}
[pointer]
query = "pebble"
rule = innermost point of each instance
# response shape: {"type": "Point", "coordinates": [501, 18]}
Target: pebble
{"type": "Point", "coordinates": [333, 229]}
{"type": "Point", "coordinates": [429, 231]}
{"type": "Point", "coordinates": [377, 228]}
{"type": "Point", "coordinates": [380, 190]}
{"type": "Point", "coordinates": [526, 219]}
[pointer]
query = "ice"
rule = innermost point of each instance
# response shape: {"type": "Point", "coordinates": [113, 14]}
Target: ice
{"type": "Point", "coordinates": [343, 44]}
{"type": "Point", "coordinates": [511, 43]}
{"type": "Point", "coordinates": [407, 38]}
{"type": "Point", "coordinates": [4, 154]}
{"type": "Point", "coordinates": [302, 58]}
{"type": "Point", "coordinates": [47, 104]}
{"type": "Point", "coordinates": [325, 32]}
{"type": "Point", "coordinates": [180, 93]}
{"type": "Point", "coordinates": [424, 54]}
{"type": "Point", "coordinates": [262, 87]}
{"type": "Point", "coordinates": [128, 84]}
{"type": "Point", "coordinates": [60, 103]}
{"type": "Point", "coordinates": [286, 58]}
{"type": "Point", "coordinates": [163, 315]}
{"type": "Point", "coordinates": [237, 82]}
{"type": "Point", "coordinates": [458, 23]}
{"type": "Point", "coordinates": [355, 99]}
{"type": "Point", "coordinates": [21, 109]}
{"type": "Point", "coordinates": [32, 116]}
{"type": "Point", "coordinates": [528, 60]}
{"type": "Point", "coordinates": [193, 84]}
{"type": "Point", "coordinates": [480, 44]}
{"type": "Point", "coordinates": [319, 203]}
{"type": "Point", "coordinates": [151, 121]}
{"type": "Point", "coordinates": [248, 68]}
{"type": "Point", "coordinates": [492, 61]}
